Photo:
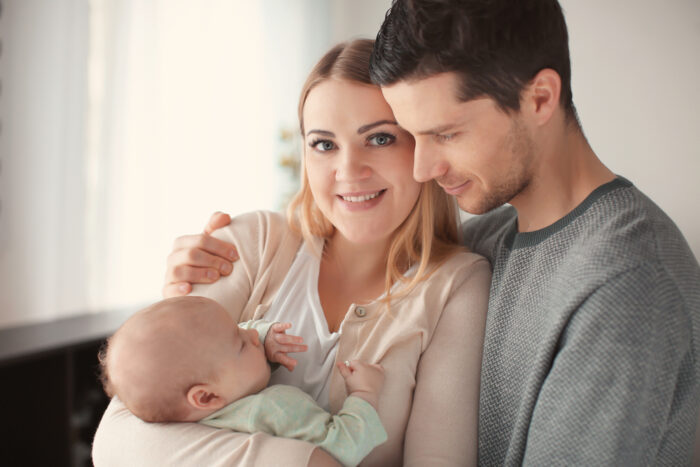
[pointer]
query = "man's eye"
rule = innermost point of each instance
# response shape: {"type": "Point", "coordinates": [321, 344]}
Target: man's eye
{"type": "Point", "coordinates": [445, 137]}
{"type": "Point", "coordinates": [323, 145]}
{"type": "Point", "coordinates": [381, 139]}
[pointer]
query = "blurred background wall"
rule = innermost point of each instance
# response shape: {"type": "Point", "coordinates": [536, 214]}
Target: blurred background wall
{"type": "Point", "coordinates": [125, 123]}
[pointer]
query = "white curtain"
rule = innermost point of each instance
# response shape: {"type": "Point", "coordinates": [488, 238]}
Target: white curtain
{"type": "Point", "coordinates": [125, 124]}
{"type": "Point", "coordinates": [188, 98]}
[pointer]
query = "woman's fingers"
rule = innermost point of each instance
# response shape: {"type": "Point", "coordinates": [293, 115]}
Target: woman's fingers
{"type": "Point", "coordinates": [216, 221]}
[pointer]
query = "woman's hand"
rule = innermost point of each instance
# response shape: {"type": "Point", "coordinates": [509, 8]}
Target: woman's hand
{"type": "Point", "coordinates": [278, 344]}
{"type": "Point", "coordinates": [199, 259]}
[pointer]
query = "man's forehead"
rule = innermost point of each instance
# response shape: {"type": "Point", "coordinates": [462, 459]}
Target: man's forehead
{"type": "Point", "coordinates": [432, 106]}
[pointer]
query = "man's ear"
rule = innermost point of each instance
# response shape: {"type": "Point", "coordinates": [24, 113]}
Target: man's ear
{"type": "Point", "coordinates": [541, 97]}
{"type": "Point", "coordinates": [203, 397]}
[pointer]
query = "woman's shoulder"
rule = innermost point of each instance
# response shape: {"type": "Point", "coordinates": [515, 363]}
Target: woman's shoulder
{"type": "Point", "coordinates": [260, 238]}
{"type": "Point", "coordinates": [464, 263]}
{"type": "Point", "coordinates": [256, 226]}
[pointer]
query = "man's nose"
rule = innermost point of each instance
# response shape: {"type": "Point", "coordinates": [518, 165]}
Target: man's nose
{"type": "Point", "coordinates": [427, 163]}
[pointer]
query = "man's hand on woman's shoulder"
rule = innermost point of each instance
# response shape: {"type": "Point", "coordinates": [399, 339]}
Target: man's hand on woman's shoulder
{"type": "Point", "coordinates": [199, 259]}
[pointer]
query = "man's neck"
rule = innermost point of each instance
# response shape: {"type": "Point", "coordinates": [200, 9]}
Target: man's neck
{"type": "Point", "coordinates": [567, 172]}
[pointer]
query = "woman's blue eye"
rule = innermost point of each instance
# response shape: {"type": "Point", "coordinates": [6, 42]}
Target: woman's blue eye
{"type": "Point", "coordinates": [381, 139]}
{"type": "Point", "coordinates": [323, 145]}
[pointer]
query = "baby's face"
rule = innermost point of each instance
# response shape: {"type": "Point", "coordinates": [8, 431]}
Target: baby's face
{"type": "Point", "coordinates": [241, 366]}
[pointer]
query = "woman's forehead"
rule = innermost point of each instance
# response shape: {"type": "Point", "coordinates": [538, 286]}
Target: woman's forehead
{"type": "Point", "coordinates": [342, 102]}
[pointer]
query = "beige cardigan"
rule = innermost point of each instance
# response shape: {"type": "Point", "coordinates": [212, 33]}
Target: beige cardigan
{"type": "Point", "coordinates": [429, 344]}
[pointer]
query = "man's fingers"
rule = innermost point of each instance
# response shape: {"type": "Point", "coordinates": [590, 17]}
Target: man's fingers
{"type": "Point", "coordinates": [216, 221]}
{"type": "Point", "coordinates": [207, 243]}
{"type": "Point", "coordinates": [193, 275]}
{"type": "Point", "coordinates": [177, 289]}
{"type": "Point", "coordinates": [181, 262]}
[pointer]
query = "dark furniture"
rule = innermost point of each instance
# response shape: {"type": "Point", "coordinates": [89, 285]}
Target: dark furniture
{"type": "Point", "coordinates": [50, 397]}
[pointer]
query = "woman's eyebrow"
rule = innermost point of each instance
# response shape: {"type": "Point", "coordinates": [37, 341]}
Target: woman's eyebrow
{"type": "Point", "coordinates": [322, 132]}
{"type": "Point", "coordinates": [369, 126]}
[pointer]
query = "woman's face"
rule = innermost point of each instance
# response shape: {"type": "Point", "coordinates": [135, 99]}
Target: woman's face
{"type": "Point", "coordinates": [359, 162]}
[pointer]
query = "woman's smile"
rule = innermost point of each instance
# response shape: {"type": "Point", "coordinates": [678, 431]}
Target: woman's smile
{"type": "Point", "coordinates": [360, 201]}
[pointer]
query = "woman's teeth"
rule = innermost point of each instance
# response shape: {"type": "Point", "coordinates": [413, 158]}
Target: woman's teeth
{"type": "Point", "coordinates": [359, 199]}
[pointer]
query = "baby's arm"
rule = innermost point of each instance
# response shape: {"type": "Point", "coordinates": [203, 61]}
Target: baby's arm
{"type": "Point", "coordinates": [277, 343]}
{"type": "Point", "coordinates": [286, 411]}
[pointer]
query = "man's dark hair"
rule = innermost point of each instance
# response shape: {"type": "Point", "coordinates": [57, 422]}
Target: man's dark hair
{"type": "Point", "coordinates": [495, 46]}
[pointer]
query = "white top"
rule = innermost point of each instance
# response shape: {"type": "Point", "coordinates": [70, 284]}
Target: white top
{"type": "Point", "coordinates": [297, 302]}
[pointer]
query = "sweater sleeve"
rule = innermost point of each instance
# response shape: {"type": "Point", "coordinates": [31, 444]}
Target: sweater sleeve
{"type": "Point", "coordinates": [123, 439]}
{"type": "Point", "coordinates": [257, 237]}
{"type": "Point", "coordinates": [442, 428]}
{"type": "Point", "coordinates": [613, 387]}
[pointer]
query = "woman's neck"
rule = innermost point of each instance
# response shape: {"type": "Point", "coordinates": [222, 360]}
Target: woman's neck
{"type": "Point", "coordinates": [350, 273]}
{"type": "Point", "coordinates": [360, 263]}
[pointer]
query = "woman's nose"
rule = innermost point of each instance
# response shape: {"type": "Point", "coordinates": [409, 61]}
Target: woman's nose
{"type": "Point", "coordinates": [352, 166]}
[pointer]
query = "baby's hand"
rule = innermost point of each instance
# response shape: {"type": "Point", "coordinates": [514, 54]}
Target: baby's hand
{"type": "Point", "coordinates": [278, 344]}
{"type": "Point", "coordinates": [363, 380]}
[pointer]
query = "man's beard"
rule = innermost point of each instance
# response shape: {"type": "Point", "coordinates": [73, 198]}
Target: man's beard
{"type": "Point", "coordinates": [518, 176]}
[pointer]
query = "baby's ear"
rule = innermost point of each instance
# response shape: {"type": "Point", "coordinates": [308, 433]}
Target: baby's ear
{"type": "Point", "coordinates": [203, 397]}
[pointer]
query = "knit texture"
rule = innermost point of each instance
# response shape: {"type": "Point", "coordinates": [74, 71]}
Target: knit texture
{"type": "Point", "coordinates": [592, 336]}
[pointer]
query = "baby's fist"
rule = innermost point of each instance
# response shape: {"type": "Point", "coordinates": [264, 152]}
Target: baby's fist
{"type": "Point", "coordinates": [363, 380]}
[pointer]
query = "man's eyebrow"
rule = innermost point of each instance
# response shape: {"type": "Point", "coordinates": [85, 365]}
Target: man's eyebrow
{"type": "Point", "coordinates": [369, 126]}
{"type": "Point", "coordinates": [321, 132]}
{"type": "Point", "coordinates": [439, 129]}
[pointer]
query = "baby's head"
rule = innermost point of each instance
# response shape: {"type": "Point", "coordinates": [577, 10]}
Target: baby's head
{"type": "Point", "coordinates": [182, 359]}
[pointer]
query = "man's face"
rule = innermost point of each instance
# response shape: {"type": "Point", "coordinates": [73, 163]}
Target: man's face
{"type": "Point", "coordinates": [475, 151]}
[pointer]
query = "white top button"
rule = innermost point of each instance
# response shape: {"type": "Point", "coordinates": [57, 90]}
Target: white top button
{"type": "Point", "coordinates": [360, 312]}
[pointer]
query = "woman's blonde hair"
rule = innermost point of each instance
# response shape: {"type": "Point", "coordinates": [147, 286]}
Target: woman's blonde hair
{"type": "Point", "coordinates": [426, 237]}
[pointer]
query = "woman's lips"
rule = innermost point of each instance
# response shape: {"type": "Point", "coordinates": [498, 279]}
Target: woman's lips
{"type": "Point", "coordinates": [361, 201]}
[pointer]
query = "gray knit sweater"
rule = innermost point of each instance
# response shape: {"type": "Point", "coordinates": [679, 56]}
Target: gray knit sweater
{"type": "Point", "coordinates": [592, 349]}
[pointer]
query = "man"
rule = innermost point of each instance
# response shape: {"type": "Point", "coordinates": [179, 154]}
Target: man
{"type": "Point", "coordinates": [592, 342]}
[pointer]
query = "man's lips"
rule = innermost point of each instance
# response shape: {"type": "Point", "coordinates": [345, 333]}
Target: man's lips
{"type": "Point", "coordinates": [455, 190]}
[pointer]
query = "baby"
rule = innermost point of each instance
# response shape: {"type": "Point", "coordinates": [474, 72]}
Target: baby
{"type": "Point", "coordinates": [184, 359]}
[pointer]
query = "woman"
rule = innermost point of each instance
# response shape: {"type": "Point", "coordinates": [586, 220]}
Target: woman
{"type": "Point", "coordinates": [367, 268]}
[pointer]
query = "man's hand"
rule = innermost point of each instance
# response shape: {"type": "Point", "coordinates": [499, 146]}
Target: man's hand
{"type": "Point", "coordinates": [363, 380]}
{"type": "Point", "coordinates": [278, 344]}
{"type": "Point", "coordinates": [199, 259]}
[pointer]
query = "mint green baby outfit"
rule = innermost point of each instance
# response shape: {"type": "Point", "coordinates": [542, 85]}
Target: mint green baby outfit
{"type": "Point", "coordinates": [288, 412]}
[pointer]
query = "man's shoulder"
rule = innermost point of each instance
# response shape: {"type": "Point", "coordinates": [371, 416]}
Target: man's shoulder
{"type": "Point", "coordinates": [628, 228]}
{"type": "Point", "coordinates": [481, 233]}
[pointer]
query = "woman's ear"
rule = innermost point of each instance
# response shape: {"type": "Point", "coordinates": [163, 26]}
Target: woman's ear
{"type": "Point", "coordinates": [203, 397]}
{"type": "Point", "coordinates": [541, 97]}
